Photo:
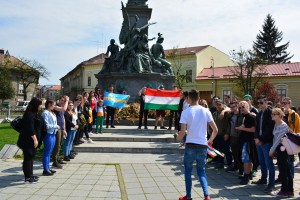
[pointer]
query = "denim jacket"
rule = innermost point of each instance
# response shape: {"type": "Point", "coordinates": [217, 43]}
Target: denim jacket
{"type": "Point", "coordinates": [51, 122]}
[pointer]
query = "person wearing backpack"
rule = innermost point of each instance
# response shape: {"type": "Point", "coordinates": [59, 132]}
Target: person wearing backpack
{"type": "Point", "coordinates": [293, 121]}
{"type": "Point", "coordinates": [29, 137]}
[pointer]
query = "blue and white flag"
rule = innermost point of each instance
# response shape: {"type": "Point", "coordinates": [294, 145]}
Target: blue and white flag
{"type": "Point", "coordinates": [115, 100]}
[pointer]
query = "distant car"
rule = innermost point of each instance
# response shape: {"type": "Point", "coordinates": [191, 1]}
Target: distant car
{"type": "Point", "coordinates": [22, 105]}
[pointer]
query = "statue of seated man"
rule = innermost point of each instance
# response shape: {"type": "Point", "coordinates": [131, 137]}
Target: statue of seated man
{"type": "Point", "coordinates": [158, 53]}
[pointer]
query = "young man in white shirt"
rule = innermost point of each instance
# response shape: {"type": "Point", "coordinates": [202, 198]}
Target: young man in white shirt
{"type": "Point", "coordinates": [194, 122]}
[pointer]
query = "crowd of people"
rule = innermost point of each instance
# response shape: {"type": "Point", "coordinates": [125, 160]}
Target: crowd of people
{"type": "Point", "coordinates": [61, 124]}
{"type": "Point", "coordinates": [250, 138]}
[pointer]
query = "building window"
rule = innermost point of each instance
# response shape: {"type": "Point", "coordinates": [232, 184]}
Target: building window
{"type": "Point", "coordinates": [281, 93]}
{"type": "Point", "coordinates": [189, 76]}
{"type": "Point", "coordinates": [89, 81]}
{"type": "Point", "coordinates": [227, 93]}
{"type": "Point", "coordinates": [21, 89]}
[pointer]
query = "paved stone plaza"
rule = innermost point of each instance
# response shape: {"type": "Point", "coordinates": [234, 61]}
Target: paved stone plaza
{"type": "Point", "coordinates": [122, 176]}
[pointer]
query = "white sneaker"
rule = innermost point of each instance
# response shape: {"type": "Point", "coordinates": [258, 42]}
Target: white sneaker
{"type": "Point", "coordinates": [91, 134]}
{"type": "Point", "coordinates": [90, 141]}
{"type": "Point", "coordinates": [298, 164]}
{"type": "Point", "coordinates": [82, 140]}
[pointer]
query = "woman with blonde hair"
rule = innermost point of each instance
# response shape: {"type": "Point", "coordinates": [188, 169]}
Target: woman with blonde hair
{"type": "Point", "coordinates": [280, 129]}
{"type": "Point", "coordinates": [203, 102]}
{"type": "Point", "coordinates": [71, 127]}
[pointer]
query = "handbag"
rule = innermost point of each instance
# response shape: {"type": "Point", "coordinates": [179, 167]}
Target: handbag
{"type": "Point", "coordinates": [290, 147]}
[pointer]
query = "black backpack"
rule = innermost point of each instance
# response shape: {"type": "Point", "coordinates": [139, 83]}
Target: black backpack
{"type": "Point", "coordinates": [17, 124]}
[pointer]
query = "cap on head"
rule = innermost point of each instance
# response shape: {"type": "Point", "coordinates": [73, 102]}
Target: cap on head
{"type": "Point", "coordinates": [247, 96]}
{"type": "Point", "coordinates": [219, 101]}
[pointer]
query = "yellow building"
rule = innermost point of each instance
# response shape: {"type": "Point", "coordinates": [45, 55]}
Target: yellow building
{"type": "Point", "coordinates": [285, 78]}
{"type": "Point", "coordinates": [194, 59]}
{"type": "Point", "coordinates": [82, 78]}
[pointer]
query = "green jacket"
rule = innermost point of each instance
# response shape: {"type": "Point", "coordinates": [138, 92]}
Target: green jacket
{"type": "Point", "coordinates": [222, 124]}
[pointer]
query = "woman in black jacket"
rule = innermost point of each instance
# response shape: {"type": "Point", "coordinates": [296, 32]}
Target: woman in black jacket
{"type": "Point", "coordinates": [29, 137]}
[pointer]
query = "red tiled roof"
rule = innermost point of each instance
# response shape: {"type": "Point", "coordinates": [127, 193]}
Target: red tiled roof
{"type": "Point", "coordinates": [56, 87]}
{"type": "Point", "coordinates": [282, 69]}
{"type": "Point", "coordinates": [99, 59]}
{"type": "Point", "coordinates": [187, 50]}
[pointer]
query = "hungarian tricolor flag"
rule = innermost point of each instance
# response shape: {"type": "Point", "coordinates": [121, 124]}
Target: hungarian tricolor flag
{"type": "Point", "coordinates": [162, 99]}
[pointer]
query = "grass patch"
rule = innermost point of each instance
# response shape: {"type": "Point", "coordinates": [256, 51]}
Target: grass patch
{"type": "Point", "coordinates": [7, 135]}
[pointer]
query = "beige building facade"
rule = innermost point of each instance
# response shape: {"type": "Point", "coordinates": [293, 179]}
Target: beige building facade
{"type": "Point", "coordinates": [285, 78]}
{"type": "Point", "coordinates": [82, 78]}
{"type": "Point", "coordinates": [195, 59]}
{"type": "Point", "coordinates": [17, 85]}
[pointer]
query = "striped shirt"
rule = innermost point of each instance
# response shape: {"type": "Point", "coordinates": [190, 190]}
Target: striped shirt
{"type": "Point", "coordinates": [278, 133]}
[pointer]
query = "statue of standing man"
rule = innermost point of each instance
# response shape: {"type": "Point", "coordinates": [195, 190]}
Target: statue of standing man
{"type": "Point", "coordinates": [158, 53]}
{"type": "Point", "coordinates": [109, 63]}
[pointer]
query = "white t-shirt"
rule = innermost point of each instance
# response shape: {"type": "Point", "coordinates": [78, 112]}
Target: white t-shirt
{"type": "Point", "coordinates": [196, 118]}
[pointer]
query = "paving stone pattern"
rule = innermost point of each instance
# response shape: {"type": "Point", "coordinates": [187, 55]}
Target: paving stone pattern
{"type": "Point", "coordinates": [153, 181]}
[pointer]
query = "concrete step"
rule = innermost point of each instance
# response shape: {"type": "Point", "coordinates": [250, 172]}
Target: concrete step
{"type": "Point", "coordinates": [135, 130]}
{"type": "Point", "coordinates": [129, 137]}
{"type": "Point", "coordinates": [130, 147]}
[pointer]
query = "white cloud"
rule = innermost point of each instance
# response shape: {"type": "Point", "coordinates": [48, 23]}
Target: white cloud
{"type": "Point", "coordinates": [61, 34]}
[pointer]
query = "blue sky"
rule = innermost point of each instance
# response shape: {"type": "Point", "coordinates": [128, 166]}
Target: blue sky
{"type": "Point", "coordinates": [61, 34]}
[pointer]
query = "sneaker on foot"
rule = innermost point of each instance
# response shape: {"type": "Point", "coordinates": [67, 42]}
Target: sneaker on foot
{"type": "Point", "coordinates": [298, 164]}
{"type": "Point", "coordinates": [90, 141]}
{"type": "Point", "coordinates": [280, 194]}
{"type": "Point", "coordinates": [254, 172]}
{"type": "Point", "coordinates": [260, 182]}
{"type": "Point", "coordinates": [57, 165]}
{"type": "Point", "coordinates": [207, 198]}
{"type": "Point", "coordinates": [244, 181]}
{"type": "Point", "coordinates": [162, 127]}
{"type": "Point", "coordinates": [184, 198]}
{"type": "Point", "coordinates": [82, 140]}
{"type": "Point", "coordinates": [30, 180]}
{"type": "Point", "coordinates": [66, 158]}
{"type": "Point", "coordinates": [47, 173]}
{"type": "Point", "coordinates": [112, 126]}
{"type": "Point", "coordinates": [60, 161]}
{"type": "Point", "coordinates": [155, 127]}
{"type": "Point", "coordinates": [230, 169]}
{"type": "Point", "coordinates": [269, 189]}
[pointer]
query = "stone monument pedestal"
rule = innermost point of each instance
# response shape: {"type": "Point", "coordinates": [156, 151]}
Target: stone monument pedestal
{"type": "Point", "coordinates": [131, 83]}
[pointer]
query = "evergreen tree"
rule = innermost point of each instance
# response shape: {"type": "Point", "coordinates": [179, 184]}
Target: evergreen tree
{"type": "Point", "coordinates": [267, 45]}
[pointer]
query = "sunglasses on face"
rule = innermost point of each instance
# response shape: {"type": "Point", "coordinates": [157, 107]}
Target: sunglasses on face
{"type": "Point", "coordinates": [241, 107]}
{"type": "Point", "coordinates": [261, 102]}
{"type": "Point", "coordinates": [285, 103]}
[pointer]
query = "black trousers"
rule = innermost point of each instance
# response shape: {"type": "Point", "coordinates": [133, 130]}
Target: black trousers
{"type": "Point", "coordinates": [284, 170]}
{"type": "Point", "coordinates": [172, 115]}
{"type": "Point", "coordinates": [110, 114]}
{"type": "Point", "coordinates": [145, 114]}
{"type": "Point", "coordinates": [27, 166]}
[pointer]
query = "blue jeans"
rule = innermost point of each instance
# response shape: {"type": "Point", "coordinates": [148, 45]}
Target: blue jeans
{"type": "Point", "coordinates": [266, 163]}
{"type": "Point", "coordinates": [68, 142]}
{"type": "Point", "coordinates": [198, 155]}
{"type": "Point", "coordinates": [49, 142]}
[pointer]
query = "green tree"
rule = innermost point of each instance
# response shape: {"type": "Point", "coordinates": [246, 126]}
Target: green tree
{"type": "Point", "coordinates": [28, 72]}
{"type": "Point", "coordinates": [267, 45]}
{"type": "Point", "coordinates": [249, 71]}
{"type": "Point", "coordinates": [7, 90]}
{"type": "Point", "coordinates": [180, 75]}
